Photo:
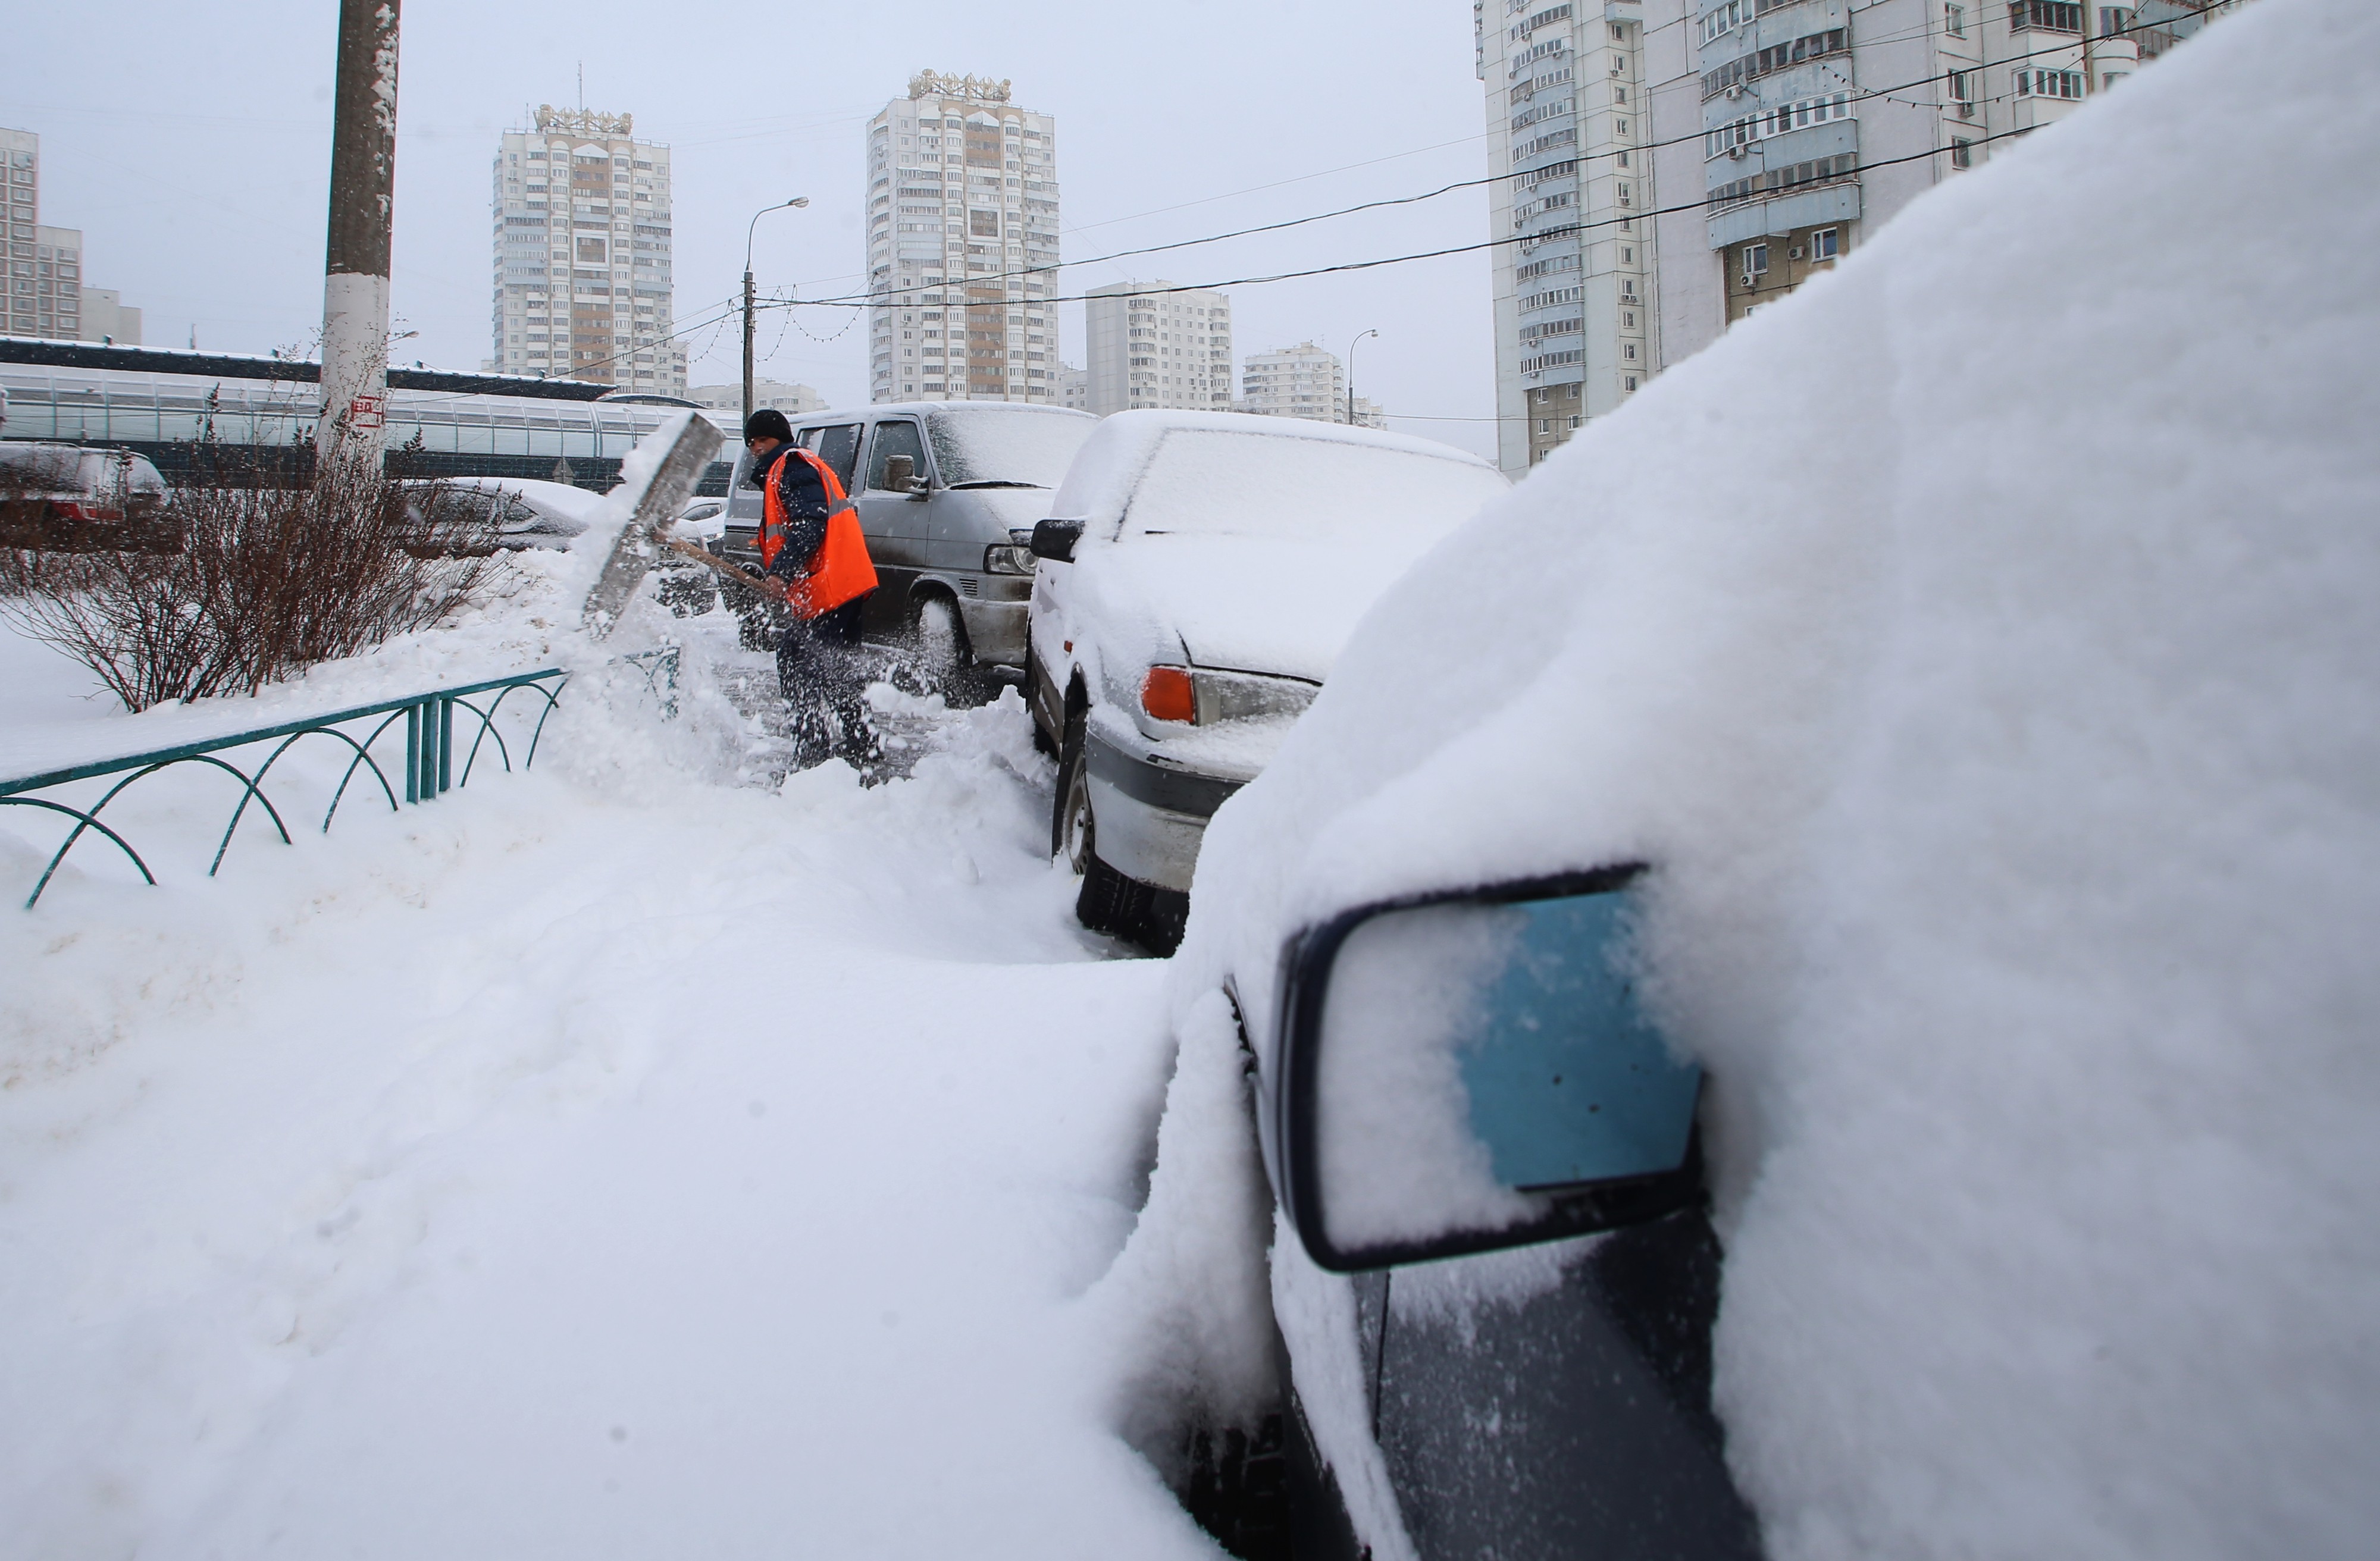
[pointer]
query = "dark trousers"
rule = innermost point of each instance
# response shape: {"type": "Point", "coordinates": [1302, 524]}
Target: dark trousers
{"type": "Point", "coordinates": [821, 674]}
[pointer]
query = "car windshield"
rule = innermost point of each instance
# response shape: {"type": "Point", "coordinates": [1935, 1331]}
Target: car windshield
{"type": "Point", "coordinates": [987, 446]}
{"type": "Point", "coordinates": [1208, 482]}
{"type": "Point", "coordinates": [51, 466]}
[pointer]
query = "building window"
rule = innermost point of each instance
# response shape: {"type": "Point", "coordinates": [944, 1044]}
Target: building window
{"type": "Point", "coordinates": [1756, 261]}
{"type": "Point", "coordinates": [2035, 83]}
{"type": "Point", "coordinates": [1826, 244]}
{"type": "Point", "coordinates": [2049, 16]}
{"type": "Point", "coordinates": [1628, 351]}
{"type": "Point", "coordinates": [1954, 21]}
{"type": "Point", "coordinates": [1963, 152]}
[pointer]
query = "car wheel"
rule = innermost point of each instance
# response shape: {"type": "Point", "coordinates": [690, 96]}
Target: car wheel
{"type": "Point", "coordinates": [1109, 902]}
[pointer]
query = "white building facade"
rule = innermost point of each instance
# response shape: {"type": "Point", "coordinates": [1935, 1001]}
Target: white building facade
{"type": "Point", "coordinates": [1299, 382]}
{"type": "Point", "coordinates": [1791, 129]}
{"type": "Point", "coordinates": [1153, 345]}
{"type": "Point", "coordinates": [1566, 134]}
{"type": "Point", "coordinates": [583, 242]}
{"type": "Point", "coordinates": [962, 246]}
{"type": "Point", "coordinates": [46, 296]}
{"type": "Point", "coordinates": [792, 400]}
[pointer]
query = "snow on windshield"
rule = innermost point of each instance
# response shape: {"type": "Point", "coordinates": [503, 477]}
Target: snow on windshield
{"type": "Point", "coordinates": [1211, 482]}
{"type": "Point", "coordinates": [1029, 445]}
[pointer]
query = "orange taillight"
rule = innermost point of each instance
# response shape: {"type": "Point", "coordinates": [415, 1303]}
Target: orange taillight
{"type": "Point", "coordinates": [1166, 694]}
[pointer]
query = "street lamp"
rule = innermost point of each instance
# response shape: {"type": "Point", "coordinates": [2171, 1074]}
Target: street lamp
{"type": "Point", "coordinates": [749, 229]}
{"type": "Point", "coordinates": [1351, 377]}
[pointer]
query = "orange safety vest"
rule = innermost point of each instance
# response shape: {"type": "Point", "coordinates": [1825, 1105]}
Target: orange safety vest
{"type": "Point", "coordinates": [840, 570]}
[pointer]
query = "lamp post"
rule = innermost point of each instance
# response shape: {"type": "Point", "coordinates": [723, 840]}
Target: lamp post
{"type": "Point", "coordinates": [748, 230]}
{"type": "Point", "coordinates": [1351, 377]}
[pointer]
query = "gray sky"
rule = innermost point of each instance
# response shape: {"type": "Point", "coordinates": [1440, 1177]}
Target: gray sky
{"type": "Point", "coordinates": [201, 179]}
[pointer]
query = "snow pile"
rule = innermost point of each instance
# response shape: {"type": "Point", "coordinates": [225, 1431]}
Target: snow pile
{"type": "Point", "coordinates": [1982, 645]}
{"type": "Point", "coordinates": [629, 1157]}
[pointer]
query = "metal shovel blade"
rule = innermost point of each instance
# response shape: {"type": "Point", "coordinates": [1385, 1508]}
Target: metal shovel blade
{"type": "Point", "coordinates": [690, 446]}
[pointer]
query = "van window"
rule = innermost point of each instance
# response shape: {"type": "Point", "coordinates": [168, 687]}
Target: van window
{"type": "Point", "coordinates": [838, 446]}
{"type": "Point", "coordinates": [901, 438]}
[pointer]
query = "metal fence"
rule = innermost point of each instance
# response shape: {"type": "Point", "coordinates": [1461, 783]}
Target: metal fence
{"type": "Point", "coordinates": [430, 767]}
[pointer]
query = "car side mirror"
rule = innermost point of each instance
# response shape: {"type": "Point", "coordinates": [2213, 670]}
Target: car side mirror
{"type": "Point", "coordinates": [1463, 1073]}
{"type": "Point", "coordinates": [1055, 539]}
{"type": "Point", "coordinates": [901, 476]}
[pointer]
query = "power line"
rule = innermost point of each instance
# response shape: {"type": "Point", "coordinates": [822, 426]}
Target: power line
{"type": "Point", "coordinates": [1537, 238]}
{"type": "Point", "coordinates": [1857, 94]}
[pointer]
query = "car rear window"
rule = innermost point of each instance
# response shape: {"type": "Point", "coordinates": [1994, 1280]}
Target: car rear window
{"type": "Point", "coordinates": [1209, 483]}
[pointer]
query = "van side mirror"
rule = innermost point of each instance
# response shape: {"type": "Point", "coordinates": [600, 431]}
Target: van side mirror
{"type": "Point", "coordinates": [1055, 539]}
{"type": "Point", "coordinates": [901, 476]}
{"type": "Point", "coordinates": [1463, 1073]}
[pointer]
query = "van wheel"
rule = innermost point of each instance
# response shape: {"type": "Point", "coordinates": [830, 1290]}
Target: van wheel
{"type": "Point", "coordinates": [938, 641]}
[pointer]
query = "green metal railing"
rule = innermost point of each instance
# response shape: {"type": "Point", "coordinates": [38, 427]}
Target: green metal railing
{"type": "Point", "coordinates": [430, 767]}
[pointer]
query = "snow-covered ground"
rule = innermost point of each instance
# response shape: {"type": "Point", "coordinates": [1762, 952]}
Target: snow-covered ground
{"type": "Point", "coordinates": [630, 1157]}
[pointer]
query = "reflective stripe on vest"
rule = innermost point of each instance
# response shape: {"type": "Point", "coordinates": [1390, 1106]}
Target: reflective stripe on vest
{"type": "Point", "coordinates": [840, 569]}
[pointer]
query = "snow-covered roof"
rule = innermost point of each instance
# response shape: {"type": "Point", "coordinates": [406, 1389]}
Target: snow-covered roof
{"type": "Point", "coordinates": [1112, 459]}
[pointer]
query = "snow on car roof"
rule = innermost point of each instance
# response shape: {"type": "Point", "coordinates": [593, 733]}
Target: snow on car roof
{"type": "Point", "coordinates": [1101, 479]}
{"type": "Point", "coordinates": [1980, 645]}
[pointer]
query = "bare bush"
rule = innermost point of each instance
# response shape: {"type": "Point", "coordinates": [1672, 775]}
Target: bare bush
{"type": "Point", "coordinates": [252, 583]}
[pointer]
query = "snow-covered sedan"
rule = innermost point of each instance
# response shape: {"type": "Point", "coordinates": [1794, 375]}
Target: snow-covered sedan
{"type": "Point", "coordinates": [1199, 572]}
{"type": "Point", "coordinates": [1896, 893]}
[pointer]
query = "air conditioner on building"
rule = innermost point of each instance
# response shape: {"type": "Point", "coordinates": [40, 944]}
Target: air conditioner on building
{"type": "Point", "coordinates": [1735, 92]}
{"type": "Point", "coordinates": [1736, 152]}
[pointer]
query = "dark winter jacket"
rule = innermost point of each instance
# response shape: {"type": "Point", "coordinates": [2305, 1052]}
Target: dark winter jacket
{"type": "Point", "coordinates": [804, 498]}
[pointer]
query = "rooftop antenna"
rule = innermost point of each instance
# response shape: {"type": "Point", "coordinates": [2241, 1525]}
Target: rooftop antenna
{"type": "Point", "coordinates": [582, 86]}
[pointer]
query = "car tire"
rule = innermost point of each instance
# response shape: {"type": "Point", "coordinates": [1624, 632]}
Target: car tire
{"type": "Point", "coordinates": [1109, 902]}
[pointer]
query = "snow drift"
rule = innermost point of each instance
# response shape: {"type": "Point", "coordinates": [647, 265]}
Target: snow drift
{"type": "Point", "coordinates": [1983, 645]}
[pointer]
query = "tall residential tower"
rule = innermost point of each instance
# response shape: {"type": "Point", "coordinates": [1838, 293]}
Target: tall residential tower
{"type": "Point", "coordinates": [582, 242]}
{"type": "Point", "coordinates": [1157, 346]}
{"type": "Point", "coordinates": [1565, 132]}
{"type": "Point", "coordinates": [962, 246]}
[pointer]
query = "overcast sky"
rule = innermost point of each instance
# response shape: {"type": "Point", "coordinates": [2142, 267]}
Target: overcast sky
{"type": "Point", "coordinates": [191, 143]}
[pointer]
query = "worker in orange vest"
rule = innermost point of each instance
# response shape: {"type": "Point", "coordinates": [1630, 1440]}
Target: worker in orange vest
{"type": "Point", "coordinates": [814, 563]}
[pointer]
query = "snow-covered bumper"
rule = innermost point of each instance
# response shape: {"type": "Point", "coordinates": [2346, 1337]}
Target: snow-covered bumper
{"type": "Point", "coordinates": [1151, 814]}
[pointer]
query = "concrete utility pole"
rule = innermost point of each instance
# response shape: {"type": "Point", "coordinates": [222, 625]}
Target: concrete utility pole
{"type": "Point", "coordinates": [353, 426]}
{"type": "Point", "coordinates": [749, 228]}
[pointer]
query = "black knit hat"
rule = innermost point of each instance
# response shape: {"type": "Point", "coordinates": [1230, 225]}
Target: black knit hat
{"type": "Point", "coordinates": [767, 423]}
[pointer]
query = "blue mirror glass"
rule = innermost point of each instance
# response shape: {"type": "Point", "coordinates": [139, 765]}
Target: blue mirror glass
{"type": "Point", "coordinates": [1473, 1053]}
{"type": "Point", "coordinates": [1567, 1080]}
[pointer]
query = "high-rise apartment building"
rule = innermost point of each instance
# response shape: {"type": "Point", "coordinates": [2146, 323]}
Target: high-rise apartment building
{"type": "Point", "coordinates": [1789, 130]}
{"type": "Point", "coordinates": [46, 292]}
{"type": "Point", "coordinates": [1073, 388]}
{"type": "Point", "coordinates": [1299, 382]}
{"type": "Point", "coordinates": [1566, 132]}
{"type": "Point", "coordinates": [1152, 346]}
{"type": "Point", "coordinates": [962, 246]}
{"type": "Point", "coordinates": [582, 265]}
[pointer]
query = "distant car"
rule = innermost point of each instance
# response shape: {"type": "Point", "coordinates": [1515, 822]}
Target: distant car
{"type": "Point", "coordinates": [505, 515]}
{"type": "Point", "coordinates": [948, 493]}
{"type": "Point", "coordinates": [70, 496]}
{"type": "Point", "coordinates": [1199, 573]}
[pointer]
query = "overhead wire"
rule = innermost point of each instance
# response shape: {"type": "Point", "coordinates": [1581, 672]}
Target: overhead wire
{"type": "Point", "coordinates": [1857, 94]}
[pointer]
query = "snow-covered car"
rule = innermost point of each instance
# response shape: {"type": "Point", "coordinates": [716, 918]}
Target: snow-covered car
{"type": "Point", "coordinates": [1810, 982]}
{"type": "Point", "coordinates": [948, 493]}
{"type": "Point", "coordinates": [72, 496]}
{"type": "Point", "coordinates": [503, 513]}
{"type": "Point", "coordinates": [1199, 573]}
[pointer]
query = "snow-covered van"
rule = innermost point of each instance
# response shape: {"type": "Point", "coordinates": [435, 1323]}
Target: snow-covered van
{"type": "Point", "coordinates": [948, 493]}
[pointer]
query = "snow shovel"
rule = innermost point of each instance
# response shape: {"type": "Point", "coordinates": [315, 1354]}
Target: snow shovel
{"type": "Point", "coordinates": [683, 459]}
